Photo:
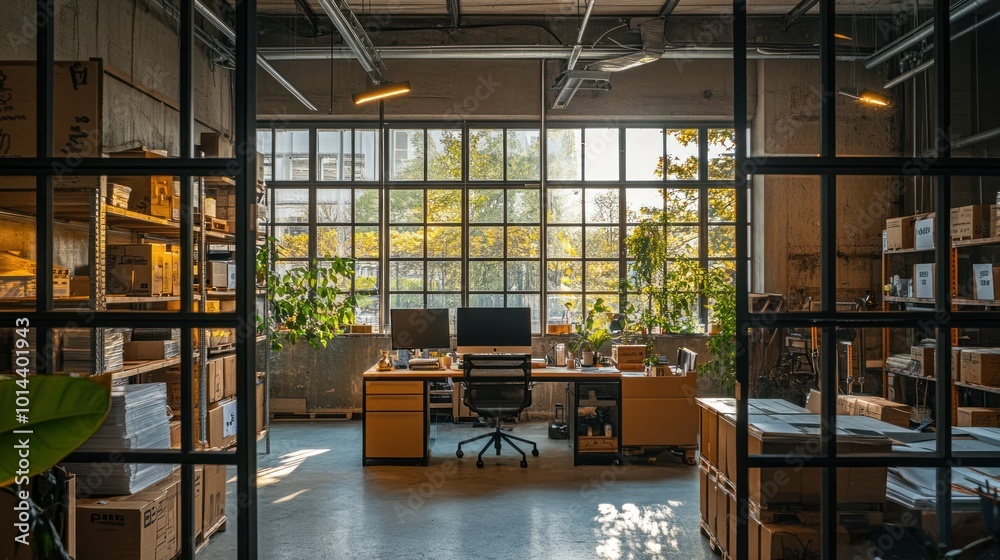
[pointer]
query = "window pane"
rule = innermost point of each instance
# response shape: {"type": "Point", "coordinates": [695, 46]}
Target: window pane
{"type": "Point", "coordinates": [444, 155]}
{"type": "Point", "coordinates": [485, 275]}
{"type": "Point", "coordinates": [721, 205]}
{"type": "Point", "coordinates": [444, 206]}
{"type": "Point", "coordinates": [486, 206]}
{"type": "Point", "coordinates": [682, 205]}
{"type": "Point", "coordinates": [486, 154]}
{"type": "Point", "coordinates": [333, 155]}
{"type": "Point", "coordinates": [486, 241]}
{"type": "Point", "coordinates": [444, 276]}
{"type": "Point", "coordinates": [291, 155]}
{"type": "Point", "coordinates": [444, 241]}
{"type": "Point", "coordinates": [333, 241]}
{"type": "Point", "coordinates": [366, 275]}
{"type": "Point", "coordinates": [486, 300]}
{"type": "Point", "coordinates": [406, 155]}
{"type": "Point", "coordinates": [406, 206]}
{"type": "Point", "coordinates": [366, 149]}
{"type": "Point", "coordinates": [565, 242]}
{"type": "Point", "coordinates": [722, 241]}
{"type": "Point", "coordinates": [642, 204]}
{"type": "Point", "coordinates": [600, 154]}
{"type": "Point", "coordinates": [406, 276]}
{"type": "Point", "coordinates": [366, 312]}
{"type": "Point", "coordinates": [602, 206]}
{"type": "Point", "coordinates": [721, 154]}
{"type": "Point", "coordinates": [564, 276]}
{"type": "Point", "coordinates": [366, 242]}
{"type": "Point", "coordinates": [366, 206]}
{"type": "Point", "coordinates": [682, 241]}
{"type": "Point", "coordinates": [523, 276]}
{"type": "Point", "coordinates": [265, 139]}
{"type": "Point", "coordinates": [406, 301]}
{"type": "Point", "coordinates": [643, 154]}
{"type": "Point", "coordinates": [523, 155]}
{"type": "Point", "coordinates": [292, 242]}
{"type": "Point", "coordinates": [611, 300]}
{"type": "Point", "coordinates": [282, 267]}
{"type": "Point", "coordinates": [523, 206]}
{"type": "Point", "coordinates": [602, 276]}
{"type": "Point", "coordinates": [291, 205]}
{"type": "Point", "coordinates": [558, 313]}
{"type": "Point", "coordinates": [445, 301]}
{"type": "Point", "coordinates": [602, 242]}
{"type": "Point", "coordinates": [565, 206]}
{"type": "Point", "coordinates": [682, 154]}
{"type": "Point", "coordinates": [531, 301]}
{"type": "Point", "coordinates": [333, 206]}
{"type": "Point", "coordinates": [523, 241]}
{"type": "Point", "coordinates": [406, 241]}
{"type": "Point", "coordinates": [563, 150]}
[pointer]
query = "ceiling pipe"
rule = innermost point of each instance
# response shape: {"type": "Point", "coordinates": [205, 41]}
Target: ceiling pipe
{"type": "Point", "coordinates": [568, 87]}
{"type": "Point", "coordinates": [230, 34]}
{"type": "Point", "coordinates": [798, 11]}
{"type": "Point", "coordinates": [527, 52]}
{"type": "Point", "coordinates": [354, 35]}
{"type": "Point", "coordinates": [920, 33]}
{"type": "Point", "coordinates": [929, 63]}
{"type": "Point", "coordinates": [975, 138]}
{"type": "Point", "coordinates": [578, 46]}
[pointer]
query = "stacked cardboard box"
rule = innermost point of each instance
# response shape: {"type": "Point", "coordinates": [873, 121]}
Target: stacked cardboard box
{"type": "Point", "coordinates": [628, 357]}
{"type": "Point", "coordinates": [980, 366]}
{"type": "Point", "coordinates": [136, 269]}
{"type": "Point", "coordinates": [971, 222]}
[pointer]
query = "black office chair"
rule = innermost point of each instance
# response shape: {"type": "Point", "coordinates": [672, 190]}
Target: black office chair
{"type": "Point", "coordinates": [497, 387]}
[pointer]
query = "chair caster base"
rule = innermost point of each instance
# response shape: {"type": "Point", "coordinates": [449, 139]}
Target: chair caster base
{"type": "Point", "coordinates": [534, 452]}
{"type": "Point", "coordinates": [479, 464]}
{"type": "Point", "coordinates": [524, 464]}
{"type": "Point", "coordinates": [459, 453]}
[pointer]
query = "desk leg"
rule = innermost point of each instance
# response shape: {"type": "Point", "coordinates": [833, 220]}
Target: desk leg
{"type": "Point", "coordinates": [364, 423]}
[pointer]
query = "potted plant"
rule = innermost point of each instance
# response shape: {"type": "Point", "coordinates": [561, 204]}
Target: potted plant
{"type": "Point", "coordinates": [584, 337]}
{"type": "Point", "coordinates": [720, 292]}
{"type": "Point", "coordinates": [597, 339]}
{"type": "Point", "coordinates": [306, 302]}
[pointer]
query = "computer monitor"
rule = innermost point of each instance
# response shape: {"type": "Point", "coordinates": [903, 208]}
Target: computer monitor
{"type": "Point", "coordinates": [494, 330]}
{"type": "Point", "coordinates": [419, 328]}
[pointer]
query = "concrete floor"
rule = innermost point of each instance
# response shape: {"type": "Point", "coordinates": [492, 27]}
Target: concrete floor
{"type": "Point", "coordinates": [317, 501]}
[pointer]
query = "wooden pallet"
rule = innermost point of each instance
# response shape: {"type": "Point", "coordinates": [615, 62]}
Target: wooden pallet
{"type": "Point", "coordinates": [215, 224]}
{"type": "Point", "coordinates": [313, 415]}
{"type": "Point", "coordinates": [202, 541]}
{"type": "Point", "coordinates": [712, 541]}
{"type": "Point", "coordinates": [850, 515]}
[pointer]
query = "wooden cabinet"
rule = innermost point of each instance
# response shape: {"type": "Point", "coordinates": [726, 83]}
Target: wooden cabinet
{"type": "Point", "coordinates": [659, 411]}
{"type": "Point", "coordinates": [396, 423]}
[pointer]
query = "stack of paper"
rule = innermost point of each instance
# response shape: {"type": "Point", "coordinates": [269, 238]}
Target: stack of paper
{"type": "Point", "coordinates": [914, 487]}
{"type": "Point", "coordinates": [137, 420]}
{"type": "Point", "coordinates": [78, 357]}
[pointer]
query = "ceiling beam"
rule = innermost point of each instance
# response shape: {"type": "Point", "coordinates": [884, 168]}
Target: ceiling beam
{"type": "Point", "coordinates": [667, 8]}
{"type": "Point", "coordinates": [455, 11]}
{"type": "Point", "coordinates": [798, 11]}
{"type": "Point", "coordinates": [307, 12]}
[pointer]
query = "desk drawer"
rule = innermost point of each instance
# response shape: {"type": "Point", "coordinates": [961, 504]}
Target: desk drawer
{"type": "Point", "coordinates": [659, 422]}
{"type": "Point", "coordinates": [394, 402]}
{"type": "Point", "coordinates": [394, 387]}
{"type": "Point", "coordinates": [394, 435]}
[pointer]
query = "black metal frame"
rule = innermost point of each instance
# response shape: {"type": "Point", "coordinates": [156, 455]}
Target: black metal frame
{"type": "Point", "coordinates": [828, 165]}
{"type": "Point", "coordinates": [44, 166]}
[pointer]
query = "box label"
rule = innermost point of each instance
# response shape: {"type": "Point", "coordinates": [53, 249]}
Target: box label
{"type": "Point", "coordinates": [229, 419]}
{"type": "Point", "coordinates": [984, 280]}
{"type": "Point", "coordinates": [924, 232]}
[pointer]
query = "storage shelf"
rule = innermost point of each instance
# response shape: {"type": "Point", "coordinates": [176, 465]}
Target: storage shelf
{"type": "Point", "coordinates": [913, 375]}
{"type": "Point", "coordinates": [975, 242]}
{"type": "Point", "coordinates": [898, 299]}
{"type": "Point", "coordinates": [975, 302]}
{"type": "Point", "coordinates": [137, 368]}
{"type": "Point", "coordinates": [975, 387]}
{"type": "Point", "coordinates": [906, 251]}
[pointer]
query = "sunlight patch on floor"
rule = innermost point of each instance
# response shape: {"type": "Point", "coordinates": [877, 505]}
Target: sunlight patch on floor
{"type": "Point", "coordinates": [632, 532]}
{"type": "Point", "coordinates": [289, 463]}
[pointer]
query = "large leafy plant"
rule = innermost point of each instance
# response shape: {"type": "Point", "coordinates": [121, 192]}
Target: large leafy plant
{"type": "Point", "coordinates": [307, 303]}
{"type": "Point", "coordinates": [587, 330]}
{"type": "Point", "coordinates": [62, 413]}
{"type": "Point", "coordinates": [720, 291]}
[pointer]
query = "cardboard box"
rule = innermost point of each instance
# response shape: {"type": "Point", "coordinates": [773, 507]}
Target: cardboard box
{"type": "Point", "coordinates": [708, 433]}
{"type": "Point", "coordinates": [924, 356]}
{"type": "Point", "coordinates": [175, 434]}
{"type": "Point", "coordinates": [885, 410]}
{"type": "Point", "coordinates": [628, 353]}
{"type": "Point", "coordinates": [923, 231]}
{"type": "Point", "coordinates": [986, 277]}
{"type": "Point", "coordinates": [923, 280]}
{"type": "Point", "coordinates": [210, 207]}
{"type": "Point", "coordinates": [151, 195]}
{"type": "Point", "coordinates": [261, 390]}
{"type": "Point", "coordinates": [143, 526]}
{"type": "Point", "coordinates": [168, 273]}
{"type": "Point", "coordinates": [229, 376]}
{"type": "Point", "coordinates": [899, 233]}
{"type": "Point", "coordinates": [145, 350]}
{"type": "Point", "coordinates": [217, 274]}
{"type": "Point", "coordinates": [214, 145]}
{"type": "Point", "coordinates": [970, 222]}
{"type": "Point", "coordinates": [965, 369]}
{"type": "Point", "coordinates": [216, 381]}
{"type": "Point", "coordinates": [956, 364]}
{"type": "Point", "coordinates": [117, 195]}
{"type": "Point", "coordinates": [135, 269]}
{"type": "Point", "coordinates": [974, 416]}
{"type": "Point", "coordinates": [214, 496]}
{"type": "Point", "coordinates": [703, 471]}
{"type": "Point", "coordinates": [779, 541]}
{"type": "Point", "coordinates": [79, 286]}
{"type": "Point", "coordinates": [213, 306]}
{"type": "Point", "coordinates": [222, 423]}
{"type": "Point", "coordinates": [984, 367]}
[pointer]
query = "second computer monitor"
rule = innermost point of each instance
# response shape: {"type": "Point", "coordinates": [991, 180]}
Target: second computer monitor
{"type": "Point", "coordinates": [419, 329]}
{"type": "Point", "coordinates": [494, 330]}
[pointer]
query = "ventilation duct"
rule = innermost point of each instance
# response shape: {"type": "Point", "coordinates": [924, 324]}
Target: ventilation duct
{"type": "Point", "coordinates": [653, 45]}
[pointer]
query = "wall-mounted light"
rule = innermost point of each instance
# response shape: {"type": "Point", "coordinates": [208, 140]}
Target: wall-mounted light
{"type": "Point", "coordinates": [381, 91]}
{"type": "Point", "coordinates": [866, 96]}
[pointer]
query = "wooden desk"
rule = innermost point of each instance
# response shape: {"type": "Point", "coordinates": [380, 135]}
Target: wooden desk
{"type": "Point", "coordinates": [397, 412]}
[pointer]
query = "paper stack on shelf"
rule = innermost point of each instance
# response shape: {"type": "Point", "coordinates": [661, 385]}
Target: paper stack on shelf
{"type": "Point", "coordinates": [137, 420]}
{"type": "Point", "coordinates": [77, 354]}
{"type": "Point", "coordinates": [914, 488]}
